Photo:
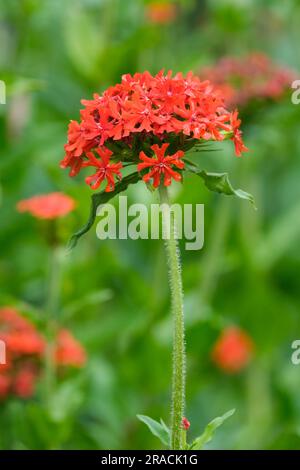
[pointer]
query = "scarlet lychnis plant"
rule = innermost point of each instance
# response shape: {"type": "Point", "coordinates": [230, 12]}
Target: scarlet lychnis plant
{"type": "Point", "coordinates": [151, 123]}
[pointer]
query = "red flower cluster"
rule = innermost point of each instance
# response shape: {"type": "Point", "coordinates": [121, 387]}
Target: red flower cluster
{"type": "Point", "coordinates": [140, 114]}
{"type": "Point", "coordinates": [24, 348]}
{"type": "Point", "coordinates": [24, 354]}
{"type": "Point", "coordinates": [233, 350]}
{"type": "Point", "coordinates": [47, 206]}
{"type": "Point", "coordinates": [254, 77]}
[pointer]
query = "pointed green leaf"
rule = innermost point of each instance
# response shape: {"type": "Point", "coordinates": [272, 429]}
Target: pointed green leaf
{"type": "Point", "coordinates": [209, 431]}
{"type": "Point", "coordinates": [219, 182]}
{"type": "Point", "coordinates": [165, 426]}
{"type": "Point", "coordinates": [102, 198]}
{"type": "Point", "coordinates": [159, 430]}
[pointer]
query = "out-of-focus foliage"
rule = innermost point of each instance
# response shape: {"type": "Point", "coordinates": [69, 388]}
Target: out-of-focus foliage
{"type": "Point", "coordinates": [114, 294]}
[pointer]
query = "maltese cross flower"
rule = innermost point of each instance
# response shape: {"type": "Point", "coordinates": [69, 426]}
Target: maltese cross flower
{"type": "Point", "coordinates": [105, 170]}
{"type": "Point", "coordinates": [161, 166]}
{"type": "Point", "coordinates": [149, 123]}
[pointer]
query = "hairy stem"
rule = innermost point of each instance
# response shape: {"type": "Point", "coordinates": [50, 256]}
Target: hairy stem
{"type": "Point", "coordinates": [175, 280]}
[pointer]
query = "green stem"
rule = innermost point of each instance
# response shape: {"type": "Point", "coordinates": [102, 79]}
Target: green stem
{"type": "Point", "coordinates": [175, 280]}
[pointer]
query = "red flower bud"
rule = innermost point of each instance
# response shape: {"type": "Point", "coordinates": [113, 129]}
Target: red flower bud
{"type": "Point", "coordinates": [185, 423]}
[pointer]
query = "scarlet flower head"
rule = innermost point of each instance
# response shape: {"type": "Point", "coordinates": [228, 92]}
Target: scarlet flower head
{"type": "Point", "coordinates": [123, 125]}
{"type": "Point", "coordinates": [232, 350]}
{"type": "Point", "coordinates": [253, 77]}
{"type": "Point", "coordinates": [69, 352]}
{"type": "Point", "coordinates": [47, 206]}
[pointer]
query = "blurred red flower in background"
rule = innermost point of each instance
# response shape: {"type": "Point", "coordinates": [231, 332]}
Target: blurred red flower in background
{"type": "Point", "coordinates": [161, 12]}
{"type": "Point", "coordinates": [24, 381]}
{"type": "Point", "coordinates": [232, 350]}
{"type": "Point", "coordinates": [19, 334]}
{"type": "Point", "coordinates": [69, 351]}
{"type": "Point", "coordinates": [5, 382]}
{"type": "Point", "coordinates": [25, 354]}
{"type": "Point", "coordinates": [253, 77]}
{"type": "Point", "coordinates": [47, 206]}
{"type": "Point", "coordinates": [24, 351]}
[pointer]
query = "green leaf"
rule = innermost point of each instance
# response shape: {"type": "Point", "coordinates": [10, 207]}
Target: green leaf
{"type": "Point", "coordinates": [209, 431]}
{"type": "Point", "coordinates": [165, 426]}
{"type": "Point", "coordinates": [102, 198]}
{"type": "Point", "coordinates": [219, 182]}
{"type": "Point", "coordinates": [159, 430]}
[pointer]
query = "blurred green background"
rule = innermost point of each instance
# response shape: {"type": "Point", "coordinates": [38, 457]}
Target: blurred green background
{"type": "Point", "coordinates": [114, 294]}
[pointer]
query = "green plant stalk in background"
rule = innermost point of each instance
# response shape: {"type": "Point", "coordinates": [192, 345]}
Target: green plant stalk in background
{"type": "Point", "coordinates": [175, 280]}
{"type": "Point", "coordinates": [52, 304]}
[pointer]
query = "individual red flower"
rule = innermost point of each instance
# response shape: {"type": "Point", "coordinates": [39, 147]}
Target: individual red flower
{"type": "Point", "coordinates": [47, 206]}
{"type": "Point", "coordinates": [105, 170]}
{"type": "Point", "coordinates": [244, 79]}
{"type": "Point", "coordinates": [232, 350]}
{"type": "Point", "coordinates": [69, 351]}
{"type": "Point", "coordinates": [161, 12]}
{"type": "Point", "coordinates": [161, 165]}
{"type": "Point", "coordinates": [186, 424]}
{"type": "Point", "coordinates": [237, 135]}
{"type": "Point", "coordinates": [132, 116]}
{"type": "Point", "coordinates": [77, 139]}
